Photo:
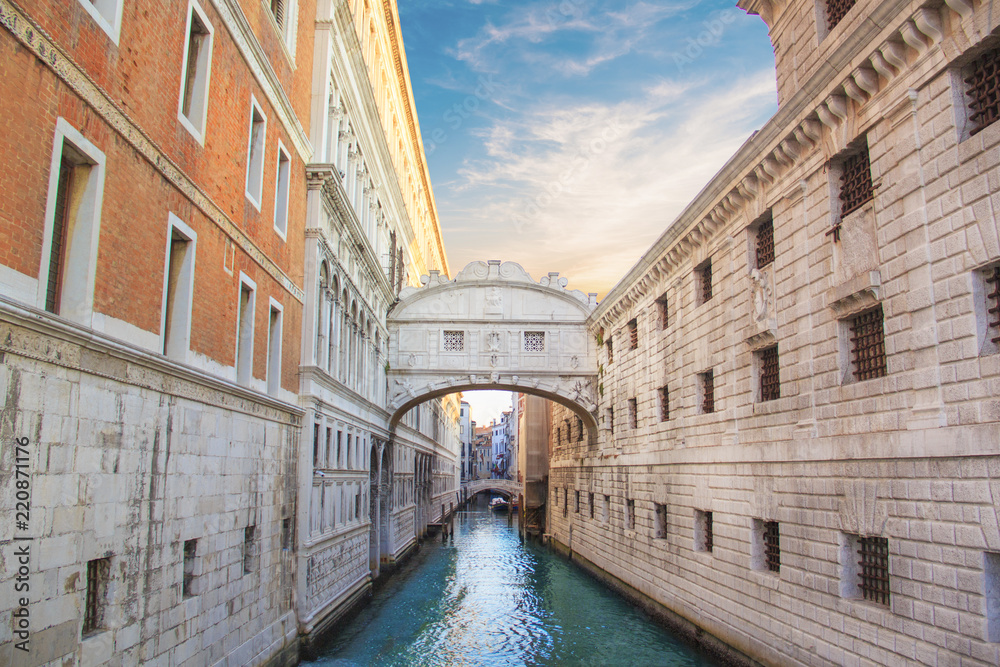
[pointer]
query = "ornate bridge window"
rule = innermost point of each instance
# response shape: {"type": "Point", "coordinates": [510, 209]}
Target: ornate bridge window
{"type": "Point", "coordinates": [534, 341]}
{"type": "Point", "coordinates": [454, 341]}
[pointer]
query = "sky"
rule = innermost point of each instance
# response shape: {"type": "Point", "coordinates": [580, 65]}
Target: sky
{"type": "Point", "coordinates": [567, 135]}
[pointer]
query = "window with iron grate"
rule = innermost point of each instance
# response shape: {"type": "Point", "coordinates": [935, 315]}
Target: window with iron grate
{"type": "Point", "coordinates": [705, 282]}
{"type": "Point", "coordinates": [591, 499]}
{"type": "Point", "coordinates": [98, 577]}
{"type": "Point", "coordinates": [868, 345]}
{"type": "Point", "coordinates": [190, 554]}
{"type": "Point", "coordinates": [454, 341]}
{"type": "Point", "coordinates": [534, 341]}
{"type": "Point", "coordinates": [837, 10]}
{"type": "Point", "coordinates": [982, 80]}
{"type": "Point", "coordinates": [610, 419]}
{"type": "Point", "coordinates": [987, 290]}
{"type": "Point", "coordinates": [772, 546]}
{"type": "Point", "coordinates": [770, 387]}
{"type": "Point", "coordinates": [855, 182]}
{"type": "Point", "coordinates": [707, 385]}
{"type": "Point", "coordinates": [249, 549]}
{"type": "Point", "coordinates": [873, 564]}
{"type": "Point", "coordinates": [633, 413]}
{"type": "Point", "coordinates": [630, 513]}
{"type": "Point", "coordinates": [664, 403]}
{"type": "Point", "coordinates": [765, 242]}
{"type": "Point", "coordinates": [633, 334]}
{"type": "Point", "coordinates": [663, 312]}
{"type": "Point", "coordinates": [579, 430]}
{"type": "Point", "coordinates": [704, 540]}
{"type": "Point", "coordinates": [660, 516]}
{"type": "Point", "coordinates": [576, 507]}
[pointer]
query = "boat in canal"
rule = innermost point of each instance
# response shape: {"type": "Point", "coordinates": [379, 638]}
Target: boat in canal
{"type": "Point", "coordinates": [499, 504]}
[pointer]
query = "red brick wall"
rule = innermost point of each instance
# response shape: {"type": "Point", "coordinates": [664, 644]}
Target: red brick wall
{"type": "Point", "coordinates": [142, 75]}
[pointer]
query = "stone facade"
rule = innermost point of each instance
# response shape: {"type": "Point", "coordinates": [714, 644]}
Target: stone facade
{"type": "Point", "coordinates": [742, 499]}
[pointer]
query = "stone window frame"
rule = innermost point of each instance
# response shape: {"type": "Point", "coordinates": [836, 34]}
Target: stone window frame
{"type": "Point", "coordinates": [633, 333]}
{"type": "Point", "coordinates": [534, 336]}
{"type": "Point", "coordinates": [198, 95]}
{"type": "Point", "coordinates": [663, 396]}
{"type": "Point", "coordinates": [243, 359]}
{"type": "Point", "coordinates": [986, 296]}
{"type": "Point", "coordinates": [660, 521]}
{"type": "Point", "coordinates": [460, 338]}
{"type": "Point", "coordinates": [251, 549]}
{"type": "Point", "coordinates": [191, 569]}
{"type": "Point", "coordinates": [753, 241]}
{"type": "Point", "coordinates": [991, 593]}
{"type": "Point", "coordinates": [836, 175]}
{"type": "Point", "coordinates": [176, 344]}
{"type": "Point", "coordinates": [848, 352]}
{"type": "Point", "coordinates": [759, 378]}
{"type": "Point", "coordinates": [704, 531]}
{"type": "Point", "coordinates": [962, 101]}
{"type": "Point", "coordinates": [76, 293]}
{"type": "Point", "coordinates": [703, 282]}
{"type": "Point", "coordinates": [282, 188]}
{"type": "Point", "coordinates": [286, 25]}
{"type": "Point", "coordinates": [256, 152]}
{"type": "Point", "coordinates": [97, 598]}
{"type": "Point", "coordinates": [592, 504]}
{"type": "Point", "coordinates": [107, 14]}
{"type": "Point", "coordinates": [275, 336]}
{"type": "Point", "coordinates": [707, 393]}
{"type": "Point", "coordinates": [606, 510]}
{"type": "Point", "coordinates": [629, 513]}
{"type": "Point", "coordinates": [853, 579]}
{"type": "Point", "coordinates": [663, 311]}
{"type": "Point", "coordinates": [763, 555]}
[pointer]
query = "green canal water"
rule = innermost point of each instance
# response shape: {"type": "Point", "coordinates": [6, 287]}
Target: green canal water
{"type": "Point", "coordinates": [484, 598]}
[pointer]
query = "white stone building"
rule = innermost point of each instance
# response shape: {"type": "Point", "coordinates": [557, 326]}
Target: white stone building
{"type": "Point", "coordinates": [800, 442]}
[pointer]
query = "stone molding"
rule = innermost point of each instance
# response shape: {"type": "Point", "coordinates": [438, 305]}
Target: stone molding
{"type": "Point", "coordinates": [856, 295]}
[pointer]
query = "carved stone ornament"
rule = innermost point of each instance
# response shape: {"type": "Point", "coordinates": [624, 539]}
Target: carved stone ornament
{"type": "Point", "coordinates": [494, 300]}
{"type": "Point", "coordinates": [411, 360]}
{"type": "Point", "coordinates": [493, 341]}
{"type": "Point", "coordinates": [760, 294]}
{"type": "Point", "coordinates": [494, 378]}
{"type": "Point", "coordinates": [494, 360]}
{"type": "Point", "coordinates": [574, 361]}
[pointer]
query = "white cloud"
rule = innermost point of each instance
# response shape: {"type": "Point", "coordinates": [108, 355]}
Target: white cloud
{"type": "Point", "coordinates": [585, 189]}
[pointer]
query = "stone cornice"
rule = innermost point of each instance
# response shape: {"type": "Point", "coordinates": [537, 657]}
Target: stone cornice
{"type": "Point", "coordinates": [792, 136]}
{"type": "Point", "coordinates": [37, 41]}
{"type": "Point", "coordinates": [68, 345]}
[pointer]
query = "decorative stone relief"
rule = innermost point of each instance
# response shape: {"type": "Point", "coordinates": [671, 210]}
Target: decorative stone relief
{"type": "Point", "coordinates": [760, 294]}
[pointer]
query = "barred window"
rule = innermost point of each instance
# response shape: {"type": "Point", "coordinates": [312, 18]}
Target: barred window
{"type": "Point", "coordinates": [661, 521]}
{"type": "Point", "coordinates": [703, 538]}
{"type": "Point", "coordinates": [591, 499]}
{"type": "Point", "coordinates": [983, 90]}
{"type": "Point", "coordinates": [873, 554]}
{"type": "Point", "coordinates": [610, 418]}
{"type": "Point", "coordinates": [855, 182]}
{"type": "Point", "coordinates": [190, 552]}
{"type": "Point", "coordinates": [579, 430]}
{"type": "Point", "coordinates": [630, 513]}
{"type": "Point", "coordinates": [249, 549]}
{"type": "Point", "coordinates": [836, 10]}
{"type": "Point", "coordinates": [664, 403]}
{"type": "Point", "coordinates": [98, 577]}
{"type": "Point", "coordinates": [633, 413]}
{"type": "Point", "coordinates": [772, 547]}
{"type": "Point", "coordinates": [633, 333]}
{"type": "Point", "coordinates": [765, 243]}
{"type": "Point", "coordinates": [868, 345]}
{"type": "Point", "coordinates": [993, 305]}
{"type": "Point", "coordinates": [707, 391]}
{"type": "Point", "coordinates": [454, 341]}
{"type": "Point", "coordinates": [770, 387]}
{"type": "Point", "coordinates": [576, 507]}
{"type": "Point", "coordinates": [534, 341]}
{"type": "Point", "coordinates": [663, 312]}
{"type": "Point", "coordinates": [705, 282]}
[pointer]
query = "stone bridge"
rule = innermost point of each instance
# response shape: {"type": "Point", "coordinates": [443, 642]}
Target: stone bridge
{"type": "Point", "coordinates": [493, 327]}
{"type": "Point", "coordinates": [505, 486]}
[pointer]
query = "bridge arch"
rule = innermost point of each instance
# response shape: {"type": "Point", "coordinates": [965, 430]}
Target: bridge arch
{"type": "Point", "coordinates": [493, 328]}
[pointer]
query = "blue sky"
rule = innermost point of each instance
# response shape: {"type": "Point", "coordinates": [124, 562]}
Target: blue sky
{"type": "Point", "coordinates": [567, 135]}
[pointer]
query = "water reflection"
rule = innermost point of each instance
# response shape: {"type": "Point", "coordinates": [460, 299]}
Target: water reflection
{"type": "Point", "coordinates": [483, 598]}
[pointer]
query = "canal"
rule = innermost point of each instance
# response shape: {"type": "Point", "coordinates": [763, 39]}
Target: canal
{"type": "Point", "coordinates": [484, 598]}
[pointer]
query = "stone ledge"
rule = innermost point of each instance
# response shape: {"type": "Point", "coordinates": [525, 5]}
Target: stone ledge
{"type": "Point", "coordinates": [857, 294]}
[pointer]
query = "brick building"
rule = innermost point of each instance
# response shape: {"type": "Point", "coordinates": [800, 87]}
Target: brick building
{"type": "Point", "coordinates": [800, 427]}
{"type": "Point", "coordinates": [173, 216]}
